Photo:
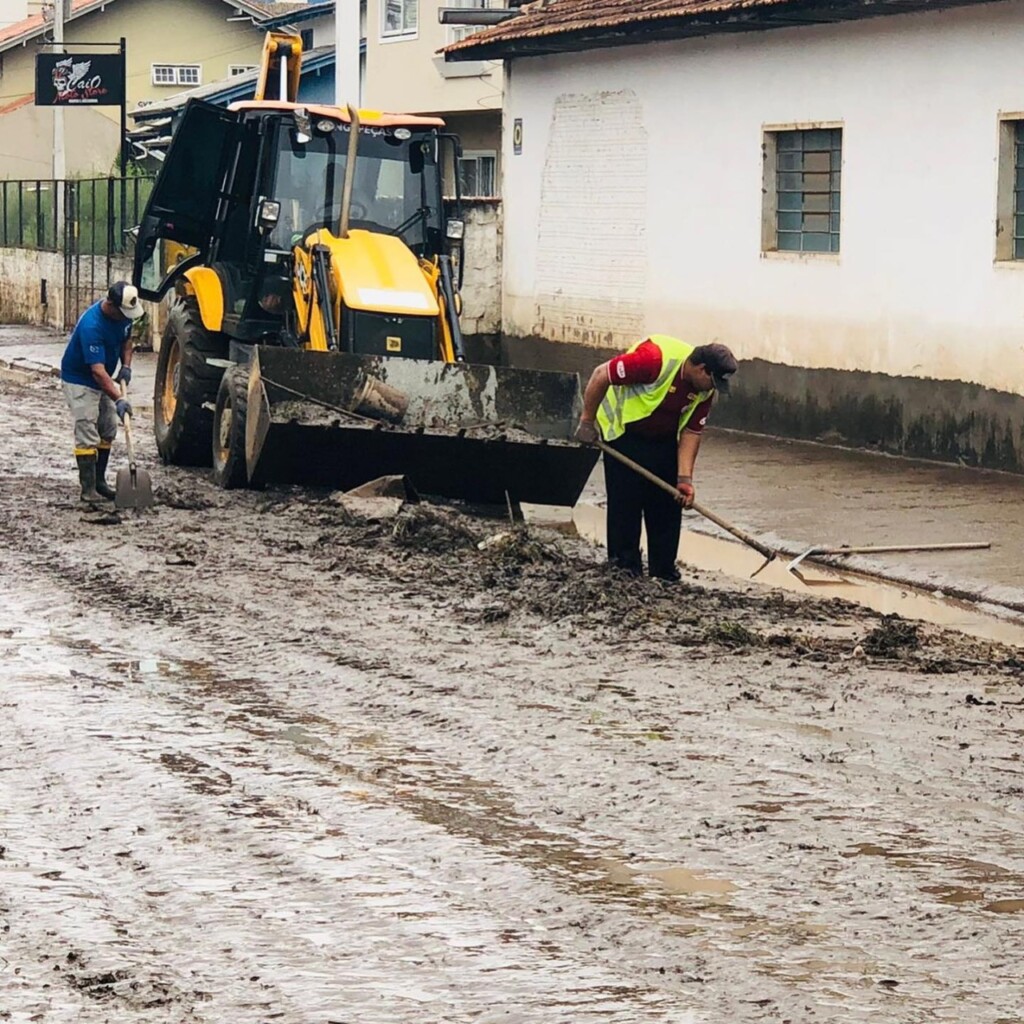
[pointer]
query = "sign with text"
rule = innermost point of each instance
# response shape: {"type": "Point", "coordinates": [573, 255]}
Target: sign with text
{"type": "Point", "coordinates": [79, 80]}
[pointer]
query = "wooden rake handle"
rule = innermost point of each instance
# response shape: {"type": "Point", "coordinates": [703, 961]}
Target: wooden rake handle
{"type": "Point", "coordinates": [739, 534]}
{"type": "Point", "coordinates": [128, 431]}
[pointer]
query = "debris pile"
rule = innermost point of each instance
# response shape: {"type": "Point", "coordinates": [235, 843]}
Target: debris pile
{"type": "Point", "coordinates": [892, 638]}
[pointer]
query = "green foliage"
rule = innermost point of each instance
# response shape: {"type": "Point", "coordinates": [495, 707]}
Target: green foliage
{"type": "Point", "coordinates": [98, 212]}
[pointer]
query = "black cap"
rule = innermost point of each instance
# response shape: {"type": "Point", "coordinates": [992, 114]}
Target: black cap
{"type": "Point", "coordinates": [718, 360]}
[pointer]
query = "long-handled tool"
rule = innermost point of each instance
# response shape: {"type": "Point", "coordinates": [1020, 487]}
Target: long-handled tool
{"type": "Point", "coordinates": [133, 488]}
{"type": "Point", "coordinates": [769, 554]}
{"type": "Point", "coordinates": [879, 549]}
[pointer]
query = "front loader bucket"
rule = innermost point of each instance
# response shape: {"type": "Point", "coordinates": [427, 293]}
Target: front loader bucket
{"type": "Point", "coordinates": [459, 430]}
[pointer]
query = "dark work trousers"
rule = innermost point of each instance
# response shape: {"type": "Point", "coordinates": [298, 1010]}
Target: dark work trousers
{"type": "Point", "coordinates": [631, 499]}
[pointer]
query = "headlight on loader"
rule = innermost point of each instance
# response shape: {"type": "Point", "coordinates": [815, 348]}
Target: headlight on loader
{"type": "Point", "coordinates": [270, 213]}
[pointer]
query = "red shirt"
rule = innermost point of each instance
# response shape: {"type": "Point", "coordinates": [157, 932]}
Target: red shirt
{"type": "Point", "coordinates": [642, 366]}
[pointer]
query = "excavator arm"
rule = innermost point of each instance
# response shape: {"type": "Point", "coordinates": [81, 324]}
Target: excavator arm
{"type": "Point", "coordinates": [280, 68]}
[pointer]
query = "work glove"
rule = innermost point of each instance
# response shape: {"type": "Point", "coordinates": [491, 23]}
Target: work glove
{"type": "Point", "coordinates": [123, 407]}
{"type": "Point", "coordinates": [586, 432]}
{"type": "Point", "coordinates": [124, 375]}
{"type": "Point", "coordinates": [685, 491]}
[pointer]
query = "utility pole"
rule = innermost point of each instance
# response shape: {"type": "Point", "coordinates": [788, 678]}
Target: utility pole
{"type": "Point", "coordinates": [59, 166]}
{"type": "Point", "coordinates": [347, 38]}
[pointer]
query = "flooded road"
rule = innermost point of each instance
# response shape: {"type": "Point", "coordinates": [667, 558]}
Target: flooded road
{"type": "Point", "coordinates": [263, 760]}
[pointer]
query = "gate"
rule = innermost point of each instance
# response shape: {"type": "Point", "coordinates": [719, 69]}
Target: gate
{"type": "Point", "coordinates": [99, 214]}
{"type": "Point", "coordinates": [87, 220]}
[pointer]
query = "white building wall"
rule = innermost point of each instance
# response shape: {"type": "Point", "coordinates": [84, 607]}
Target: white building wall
{"type": "Point", "coordinates": [405, 72]}
{"type": "Point", "coordinates": [636, 202]}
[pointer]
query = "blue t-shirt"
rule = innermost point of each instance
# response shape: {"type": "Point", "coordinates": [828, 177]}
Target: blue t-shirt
{"type": "Point", "coordinates": [95, 339]}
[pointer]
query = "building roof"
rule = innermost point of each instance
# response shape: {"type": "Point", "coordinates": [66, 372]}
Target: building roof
{"type": "Point", "coordinates": [559, 26]}
{"type": "Point", "coordinates": [274, 9]}
{"type": "Point", "coordinates": [227, 90]}
{"type": "Point", "coordinates": [22, 101]}
{"type": "Point", "coordinates": [35, 25]}
{"type": "Point", "coordinates": [299, 12]}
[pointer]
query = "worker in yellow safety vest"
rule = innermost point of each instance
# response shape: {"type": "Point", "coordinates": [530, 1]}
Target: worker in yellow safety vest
{"type": "Point", "coordinates": [651, 403]}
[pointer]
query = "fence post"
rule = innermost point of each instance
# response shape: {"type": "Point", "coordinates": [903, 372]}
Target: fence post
{"type": "Point", "coordinates": [111, 225]}
{"type": "Point", "coordinates": [39, 216]}
{"type": "Point", "coordinates": [68, 191]}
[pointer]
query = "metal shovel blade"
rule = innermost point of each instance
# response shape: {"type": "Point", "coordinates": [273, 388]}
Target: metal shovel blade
{"type": "Point", "coordinates": [133, 488]}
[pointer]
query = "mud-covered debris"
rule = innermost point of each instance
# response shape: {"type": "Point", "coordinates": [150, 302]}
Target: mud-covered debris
{"type": "Point", "coordinates": [892, 637]}
{"type": "Point", "coordinates": [97, 986]}
{"type": "Point", "coordinates": [183, 500]}
{"type": "Point", "coordinates": [391, 486]}
{"type": "Point", "coordinates": [432, 530]}
{"type": "Point", "coordinates": [732, 634]}
{"type": "Point", "coordinates": [378, 499]}
{"type": "Point", "coordinates": [519, 547]}
{"type": "Point", "coordinates": [977, 702]}
{"type": "Point", "coordinates": [370, 509]}
{"type": "Point", "coordinates": [106, 517]}
{"type": "Point", "coordinates": [489, 614]}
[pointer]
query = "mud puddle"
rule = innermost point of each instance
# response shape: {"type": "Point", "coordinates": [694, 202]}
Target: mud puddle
{"type": "Point", "coordinates": [712, 554]}
{"type": "Point", "coordinates": [263, 760]}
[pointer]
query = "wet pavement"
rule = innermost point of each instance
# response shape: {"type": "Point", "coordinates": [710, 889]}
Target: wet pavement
{"type": "Point", "coordinates": [263, 760]}
{"type": "Point", "coordinates": [795, 494]}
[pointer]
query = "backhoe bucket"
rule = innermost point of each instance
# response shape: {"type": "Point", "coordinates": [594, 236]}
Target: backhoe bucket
{"type": "Point", "coordinates": [480, 433]}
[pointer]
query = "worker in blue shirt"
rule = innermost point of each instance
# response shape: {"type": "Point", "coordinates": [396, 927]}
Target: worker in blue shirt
{"type": "Point", "coordinates": [100, 342]}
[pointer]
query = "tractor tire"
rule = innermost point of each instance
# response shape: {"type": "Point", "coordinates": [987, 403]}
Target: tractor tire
{"type": "Point", "coordinates": [229, 414]}
{"type": "Point", "coordinates": [186, 386]}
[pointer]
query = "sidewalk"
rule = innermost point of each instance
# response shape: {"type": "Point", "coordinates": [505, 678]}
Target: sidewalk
{"type": "Point", "coordinates": [792, 494]}
{"type": "Point", "coordinates": [39, 350]}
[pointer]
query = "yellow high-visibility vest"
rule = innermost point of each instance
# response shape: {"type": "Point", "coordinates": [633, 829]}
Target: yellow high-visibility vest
{"type": "Point", "coordinates": [627, 403]}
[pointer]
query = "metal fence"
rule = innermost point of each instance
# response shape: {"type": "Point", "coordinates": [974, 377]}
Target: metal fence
{"type": "Point", "coordinates": [98, 213]}
{"type": "Point", "coordinates": [87, 220]}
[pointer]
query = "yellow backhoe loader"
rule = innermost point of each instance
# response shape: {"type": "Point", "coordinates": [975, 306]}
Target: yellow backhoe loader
{"type": "Point", "coordinates": [314, 335]}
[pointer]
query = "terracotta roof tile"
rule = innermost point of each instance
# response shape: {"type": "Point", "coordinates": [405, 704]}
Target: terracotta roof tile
{"type": "Point", "coordinates": [605, 22]}
{"type": "Point", "coordinates": [35, 23]}
{"type": "Point", "coordinates": [17, 104]}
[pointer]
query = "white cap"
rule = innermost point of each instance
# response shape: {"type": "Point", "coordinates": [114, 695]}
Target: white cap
{"type": "Point", "coordinates": [126, 297]}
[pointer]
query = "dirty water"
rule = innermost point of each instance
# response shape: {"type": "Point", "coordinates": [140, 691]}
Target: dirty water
{"type": "Point", "coordinates": [263, 760]}
{"type": "Point", "coordinates": [714, 554]}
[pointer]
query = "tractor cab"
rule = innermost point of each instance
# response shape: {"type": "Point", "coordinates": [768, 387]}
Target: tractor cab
{"type": "Point", "coordinates": [243, 189]}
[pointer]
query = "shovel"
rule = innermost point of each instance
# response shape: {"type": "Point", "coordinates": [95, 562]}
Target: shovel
{"type": "Point", "coordinates": [762, 549]}
{"type": "Point", "coordinates": [133, 488]}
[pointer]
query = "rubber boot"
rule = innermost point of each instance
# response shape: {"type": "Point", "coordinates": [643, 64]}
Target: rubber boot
{"type": "Point", "coordinates": [87, 476]}
{"type": "Point", "coordinates": [102, 489]}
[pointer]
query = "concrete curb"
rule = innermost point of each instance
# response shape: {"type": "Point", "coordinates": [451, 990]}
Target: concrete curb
{"type": "Point", "coordinates": [26, 371]}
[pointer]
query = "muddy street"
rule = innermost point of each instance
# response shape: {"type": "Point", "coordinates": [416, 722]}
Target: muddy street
{"type": "Point", "coordinates": [262, 759]}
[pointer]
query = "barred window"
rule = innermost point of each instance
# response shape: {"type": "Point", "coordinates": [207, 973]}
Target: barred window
{"type": "Point", "coordinates": [802, 192]}
{"type": "Point", "coordinates": [477, 174]}
{"type": "Point", "coordinates": [1018, 190]}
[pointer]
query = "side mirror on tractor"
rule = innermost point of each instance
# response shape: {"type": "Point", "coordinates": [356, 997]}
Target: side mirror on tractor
{"type": "Point", "coordinates": [269, 214]}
